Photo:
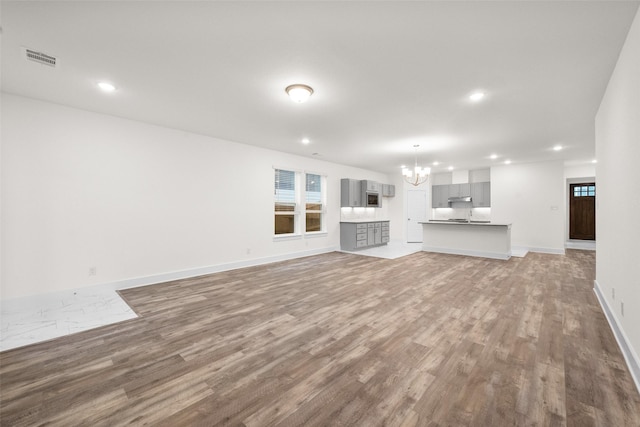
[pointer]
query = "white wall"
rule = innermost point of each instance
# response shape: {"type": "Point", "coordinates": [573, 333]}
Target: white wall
{"type": "Point", "coordinates": [397, 209]}
{"type": "Point", "coordinates": [134, 200]}
{"type": "Point", "coordinates": [531, 197]}
{"type": "Point", "coordinates": [580, 171]}
{"type": "Point", "coordinates": [618, 199]}
{"type": "Point", "coordinates": [480, 175]}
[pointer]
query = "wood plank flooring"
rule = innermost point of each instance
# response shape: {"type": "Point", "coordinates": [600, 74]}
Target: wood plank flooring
{"type": "Point", "coordinates": [341, 340]}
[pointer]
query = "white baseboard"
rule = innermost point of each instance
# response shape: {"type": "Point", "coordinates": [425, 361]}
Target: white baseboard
{"type": "Point", "coordinates": [630, 356]}
{"type": "Point", "coordinates": [551, 251]}
{"type": "Point", "coordinates": [584, 245]}
{"type": "Point", "coordinates": [521, 251]}
{"type": "Point", "coordinates": [39, 299]}
{"type": "Point", "coordinates": [481, 254]}
{"type": "Point", "coordinates": [201, 271]}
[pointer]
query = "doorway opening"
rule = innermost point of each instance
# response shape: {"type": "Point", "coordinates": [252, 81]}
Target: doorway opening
{"type": "Point", "coordinates": [416, 213]}
{"type": "Point", "coordinates": [582, 211]}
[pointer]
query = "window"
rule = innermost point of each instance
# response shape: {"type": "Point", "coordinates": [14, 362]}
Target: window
{"type": "Point", "coordinates": [314, 203]}
{"type": "Point", "coordinates": [290, 194]}
{"type": "Point", "coordinates": [286, 211]}
{"type": "Point", "coordinates": [584, 190]}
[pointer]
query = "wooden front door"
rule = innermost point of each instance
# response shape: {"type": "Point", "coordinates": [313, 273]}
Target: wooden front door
{"type": "Point", "coordinates": [582, 211]}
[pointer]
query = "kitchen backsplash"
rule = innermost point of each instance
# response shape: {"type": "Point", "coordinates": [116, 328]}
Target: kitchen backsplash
{"type": "Point", "coordinates": [477, 214]}
{"type": "Point", "coordinates": [351, 214]}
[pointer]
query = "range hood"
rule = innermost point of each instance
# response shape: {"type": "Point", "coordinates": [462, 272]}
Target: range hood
{"type": "Point", "coordinates": [459, 199]}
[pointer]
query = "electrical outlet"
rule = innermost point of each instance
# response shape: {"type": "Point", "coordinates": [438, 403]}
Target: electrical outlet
{"type": "Point", "coordinates": [613, 293]}
{"type": "Point", "coordinates": [622, 308]}
{"type": "Point", "coordinates": [93, 271]}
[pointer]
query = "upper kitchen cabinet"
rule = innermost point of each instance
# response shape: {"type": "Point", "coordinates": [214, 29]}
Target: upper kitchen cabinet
{"type": "Point", "coordinates": [481, 194]}
{"type": "Point", "coordinates": [388, 190]}
{"type": "Point", "coordinates": [350, 193]}
{"type": "Point", "coordinates": [368, 185]}
{"type": "Point", "coordinates": [459, 190]}
{"type": "Point", "coordinates": [440, 196]}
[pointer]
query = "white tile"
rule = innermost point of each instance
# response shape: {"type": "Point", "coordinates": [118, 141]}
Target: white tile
{"type": "Point", "coordinates": [29, 320]}
{"type": "Point", "coordinates": [392, 250]}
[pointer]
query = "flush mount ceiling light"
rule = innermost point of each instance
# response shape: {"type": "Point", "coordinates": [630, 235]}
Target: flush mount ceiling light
{"type": "Point", "coordinates": [494, 156]}
{"type": "Point", "coordinates": [557, 148]}
{"type": "Point", "coordinates": [450, 168]}
{"type": "Point", "coordinates": [418, 175]}
{"type": "Point", "coordinates": [507, 162]}
{"type": "Point", "coordinates": [106, 87]}
{"type": "Point", "coordinates": [299, 93]}
{"type": "Point", "coordinates": [594, 161]}
{"type": "Point", "coordinates": [305, 141]}
{"type": "Point", "coordinates": [476, 96]}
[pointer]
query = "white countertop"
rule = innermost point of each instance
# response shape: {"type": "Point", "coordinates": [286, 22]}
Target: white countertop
{"type": "Point", "coordinates": [360, 221]}
{"type": "Point", "coordinates": [467, 223]}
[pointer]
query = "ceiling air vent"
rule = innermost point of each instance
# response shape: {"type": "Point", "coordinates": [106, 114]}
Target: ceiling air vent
{"type": "Point", "coordinates": [40, 58]}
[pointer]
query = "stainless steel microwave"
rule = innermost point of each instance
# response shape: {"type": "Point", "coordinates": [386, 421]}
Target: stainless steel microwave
{"type": "Point", "coordinates": [372, 199]}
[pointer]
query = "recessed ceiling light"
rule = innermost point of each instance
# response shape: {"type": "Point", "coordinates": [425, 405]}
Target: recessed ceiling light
{"type": "Point", "coordinates": [106, 86]}
{"type": "Point", "coordinates": [299, 93]}
{"type": "Point", "coordinates": [594, 161]}
{"type": "Point", "coordinates": [436, 163]}
{"type": "Point", "coordinates": [450, 168]}
{"type": "Point", "coordinates": [507, 162]}
{"type": "Point", "coordinates": [557, 148]}
{"type": "Point", "coordinates": [305, 140]}
{"type": "Point", "coordinates": [476, 96]}
{"type": "Point", "coordinates": [494, 156]}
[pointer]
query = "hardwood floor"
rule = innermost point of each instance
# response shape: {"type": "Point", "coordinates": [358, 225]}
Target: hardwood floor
{"type": "Point", "coordinates": [340, 339]}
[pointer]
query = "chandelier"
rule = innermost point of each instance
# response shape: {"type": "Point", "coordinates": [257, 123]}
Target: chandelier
{"type": "Point", "coordinates": [418, 175]}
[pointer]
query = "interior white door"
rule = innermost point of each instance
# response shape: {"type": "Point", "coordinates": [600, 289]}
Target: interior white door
{"type": "Point", "coordinates": [416, 213]}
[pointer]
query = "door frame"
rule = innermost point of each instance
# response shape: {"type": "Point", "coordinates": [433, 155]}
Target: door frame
{"type": "Point", "coordinates": [426, 205]}
{"type": "Point", "coordinates": [567, 193]}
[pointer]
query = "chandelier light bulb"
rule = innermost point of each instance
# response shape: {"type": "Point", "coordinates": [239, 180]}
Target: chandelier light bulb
{"type": "Point", "coordinates": [418, 175]}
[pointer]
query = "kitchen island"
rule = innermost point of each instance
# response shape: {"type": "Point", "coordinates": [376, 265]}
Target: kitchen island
{"type": "Point", "coordinates": [475, 238]}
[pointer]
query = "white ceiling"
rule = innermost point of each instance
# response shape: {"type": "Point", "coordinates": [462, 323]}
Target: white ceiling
{"type": "Point", "coordinates": [386, 75]}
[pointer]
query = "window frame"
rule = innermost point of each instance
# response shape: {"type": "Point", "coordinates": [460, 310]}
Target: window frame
{"type": "Point", "coordinates": [300, 210]}
{"type": "Point", "coordinates": [296, 211]}
{"type": "Point", "coordinates": [323, 201]}
{"type": "Point", "coordinates": [584, 190]}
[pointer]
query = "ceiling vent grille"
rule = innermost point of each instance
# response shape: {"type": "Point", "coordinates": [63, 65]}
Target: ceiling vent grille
{"type": "Point", "coordinates": [41, 58]}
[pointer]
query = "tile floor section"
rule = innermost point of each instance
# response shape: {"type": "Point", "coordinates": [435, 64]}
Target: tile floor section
{"type": "Point", "coordinates": [392, 250]}
{"type": "Point", "coordinates": [26, 321]}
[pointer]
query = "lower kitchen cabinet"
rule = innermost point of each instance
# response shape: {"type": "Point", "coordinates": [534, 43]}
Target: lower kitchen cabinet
{"type": "Point", "coordinates": [360, 235]}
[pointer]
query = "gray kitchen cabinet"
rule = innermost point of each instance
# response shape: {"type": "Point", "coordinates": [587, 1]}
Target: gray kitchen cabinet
{"type": "Point", "coordinates": [388, 190]}
{"type": "Point", "coordinates": [459, 190]}
{"type": "Point", "coordinates": [350, 193]}
{"type": "Point", "coordinates": [481, 194]}
{"type": "Point", "coordinates": [374, 233]}
{"type": "Point", "coordinates": [360, 235]}
{"type": "Point", "coordinates": [384, 231]}
{"type": "Point", "coordinates": [440, 196]}
{"type": "Point", "coordinates": [368, 185]}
